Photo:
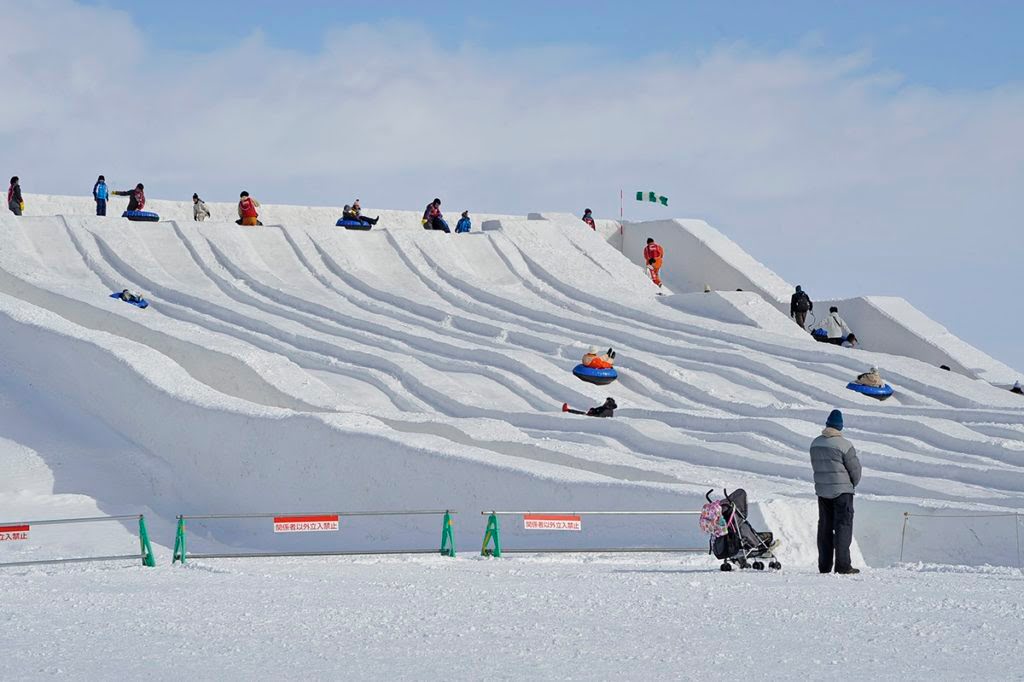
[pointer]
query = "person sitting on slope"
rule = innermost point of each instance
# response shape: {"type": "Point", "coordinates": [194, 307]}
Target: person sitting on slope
{"type": "Point", "coordinates": [594, 360]}
{"type": "Point", "coordinates": [247, 213]}
{"type": "Point", "coordinates": [465, 224]}
{"type": "Point", "coordinates": [432, 218]}
{"type": "Point", "coordinates": [605, 410]}
{"type": "Point", "coordinates": [871, 378]}
{"type": "Point", "coordinates": [588, 218]}
{"type": "Point", "coordinates": [355, 212]}
{"type": "Point", "coordinates": [136, 197]}
{"type": "Point", "coordinates": [1017, 389]}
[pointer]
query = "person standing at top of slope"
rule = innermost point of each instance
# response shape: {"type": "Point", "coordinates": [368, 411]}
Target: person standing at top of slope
{"type": "Point", "coordinates": [136, 197]}
{"type": "Point", "coordinates": [247, 213]}
{"type": "Point", "coordinates": [837, 473]}
{"type": "Point", "coordinates": [588, 218]}
{"type": "Point", "coordinates": [14, 200]}
{"type": "Point", "coordinates": [433, 219]}
{"type": "Point", "coordinates": [199, 210]}
{"type": "Point", "coordinates": [653, 256]}
{"type": "Point", "coordinates": [836, 327]}
{"type": "Point", "coordinates": [99, 195]}
{"type": "Point", "coordinates": [465, 224]}
{"type": "Point", "coordinates": [799, 304]}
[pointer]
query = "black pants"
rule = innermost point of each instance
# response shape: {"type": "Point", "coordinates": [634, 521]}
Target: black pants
{"type": "Point", "coordinates": [837, 341]}
{"type": "Point", "coordinates": [101, 207]}
{"type": "Point", "coordinates": [835, 532]}
{"type": "Point", "coordinates": [801, 318]}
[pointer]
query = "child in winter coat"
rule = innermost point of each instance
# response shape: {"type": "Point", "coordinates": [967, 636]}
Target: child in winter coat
{"type": "Point", "coordinates": [588, 218]}
{"type": "Point", "coordinates": [464, 224]}
{"type": "Point", "coordinates": [871, 378]}
{"type": "Point", "coordinates": [99, 195]}
{"type": "Point", "coordinates": [356, 212]}
{"type": "Point", "coordinates": [14, 200]}
{"type": "Point", "coordinates": [595, 361]}
{"type": "Point", "coordinates": [199, 210]}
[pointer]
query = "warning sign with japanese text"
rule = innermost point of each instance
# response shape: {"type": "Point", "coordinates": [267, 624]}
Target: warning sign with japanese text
{"type": "Point", "coordinates": [552, 522]}
{"type": "Point", "coordinates": [14, 533]}
{"type": "Point", "coordinates": [305, 524]}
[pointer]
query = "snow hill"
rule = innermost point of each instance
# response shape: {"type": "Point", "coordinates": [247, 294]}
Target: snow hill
{"type": "Point", "coordinates": [300, 366]}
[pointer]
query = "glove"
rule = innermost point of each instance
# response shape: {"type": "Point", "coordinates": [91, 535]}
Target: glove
{"type": "Point", "coordinates": [21, 206]}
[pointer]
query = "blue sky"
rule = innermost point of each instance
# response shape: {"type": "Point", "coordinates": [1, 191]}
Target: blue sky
{"type": "Point", "coordinates": [856, 147]}
{"type": "Point", "coordinates": [938, 43]}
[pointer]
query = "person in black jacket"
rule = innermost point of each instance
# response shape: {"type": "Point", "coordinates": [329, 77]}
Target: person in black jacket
{"type": "Point", "coordinates": [799, 305]}
{"type": "Point", "coordinates": [14, 200]}
{"type": "Point", "coordinates": [605, 410]}
{"type": "Point", "coordinates": [136, 197]}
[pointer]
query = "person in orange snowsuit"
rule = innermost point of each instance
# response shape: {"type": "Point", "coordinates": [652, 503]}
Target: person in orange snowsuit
{"type": "Point", "coordinates": [594, 360]}
{"type": "Point", "coordinates": [653, 255]}
{"type": "Point", "coordinates": [247, 213]}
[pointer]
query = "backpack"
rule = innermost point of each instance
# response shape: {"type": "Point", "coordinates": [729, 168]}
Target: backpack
{"type": "Point", "coordinates": [803, 303]}
{"type": "Point", "coordinates": [712, 519]}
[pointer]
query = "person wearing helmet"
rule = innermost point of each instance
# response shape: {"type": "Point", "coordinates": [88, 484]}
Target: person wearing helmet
{"type": "Point", "coordinates": [247, 213]}
{"type": "Point", "coordinates": [597, 360]}
{"type": "Point", "coordinates": [136, 197]}
{"type": "Point", "coordinates": [588, 218]}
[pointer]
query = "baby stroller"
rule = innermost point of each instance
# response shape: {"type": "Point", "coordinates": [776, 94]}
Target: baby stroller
{"type": "Point", "coordinates": [733, 540]}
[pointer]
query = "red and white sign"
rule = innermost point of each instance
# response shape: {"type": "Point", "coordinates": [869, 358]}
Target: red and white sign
{"type": "Point", "coordinates": [305, 524]}
{"type": "Point", "coordinates": [12, 533]}
{"type": "Point", "coordinates": [552, 522]}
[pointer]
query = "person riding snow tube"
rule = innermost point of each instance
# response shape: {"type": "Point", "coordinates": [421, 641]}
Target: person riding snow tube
{"type": "Point", "coordinates": [870, 383]}
{"type": "Point", "coordinates": [597, 368]}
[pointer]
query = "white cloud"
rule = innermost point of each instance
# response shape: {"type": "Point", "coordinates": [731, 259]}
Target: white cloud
{"type": "Point", "coordinates": [831, 169]}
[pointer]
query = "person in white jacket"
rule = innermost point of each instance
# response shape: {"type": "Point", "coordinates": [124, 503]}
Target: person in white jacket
{"type": "Point", "coordinates": [199, 210]}
{"type": "Point", "coordinates": [835, 326]}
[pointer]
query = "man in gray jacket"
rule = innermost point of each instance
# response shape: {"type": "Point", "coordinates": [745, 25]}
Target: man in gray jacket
{"type": "Point", "coordinates": [836, 474]}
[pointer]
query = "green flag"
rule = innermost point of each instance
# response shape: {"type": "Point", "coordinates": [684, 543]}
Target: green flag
{"type": "Point", "coordinates": [653, 197]}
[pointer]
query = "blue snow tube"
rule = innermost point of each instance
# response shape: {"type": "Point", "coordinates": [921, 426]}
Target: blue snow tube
{"type": "Point", "coordinates": [820, 335]}
{"type": "Point", "coordinates": [353, 224]}
{"type": "Point", "coordinates": [141, 303]}
{"type": "Point", "coordinates": [141, 216]}
{"type": "Point", "coordinates": [595, 376]}
{"type": "Point", "coordinates": [873, 391]}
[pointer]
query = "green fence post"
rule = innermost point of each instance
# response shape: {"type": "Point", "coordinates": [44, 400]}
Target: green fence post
{"type": "Point", "coordinates": [492, 534]}
{"type": "Point", "coordinates": [447, 539]}
{"type": "Point", "coordinates": [145, 548]}
{"type": "Point", "coordinates": [179, 543]}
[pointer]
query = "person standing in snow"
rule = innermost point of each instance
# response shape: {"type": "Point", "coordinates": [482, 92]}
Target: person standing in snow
{"type": "Point", "coordinates": [14, 200]}
{"type": "Point", "coordinates": [465, 224]}
{"type": "Point", "coordinates": [799, 305]}
{"type": "Point", "coordinates": [1017, 389]}
{"type": "Point", "coordinates": [837, 473]}
{"type": "Point", "coordinates": [99, 195]}
{"type": "Point", "coordinates": [653, 257]}
{"type": "Point", "coordinates": [247, 213]}
{"type": "Point", "coordinates": [588, 218]}
{"type": "Point", "coordinates": [199, 210]}
{"type": "Point", "coordinates": [836, 327]}
{"type": "Point", "coordinates": [433, 219]}
{"type": "Point", "coordinates": [136, 197]}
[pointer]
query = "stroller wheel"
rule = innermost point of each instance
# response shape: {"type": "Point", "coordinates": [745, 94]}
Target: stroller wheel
{"type": "Point", "coordinates": [757, 566]}
{"type": "Point", "coordinates": [726, 566]}
{"type": "Point", "coordinates": [742, 563]}
{"type": "Point", "coordinates": [775, 566]}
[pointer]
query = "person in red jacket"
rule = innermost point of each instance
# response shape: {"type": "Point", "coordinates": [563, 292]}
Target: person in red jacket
{"type": "Point", "coordinates": [136, 197]}
{"type": "Point", "coordinates": [247, 213]}
{"type": "Point", "coordinates": [653, 255]}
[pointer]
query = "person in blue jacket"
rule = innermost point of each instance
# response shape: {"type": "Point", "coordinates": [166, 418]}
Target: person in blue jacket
{"type": "Point", "coordinates": [99, 193]}
{"type": "Point", "coordinates": [464, 224]}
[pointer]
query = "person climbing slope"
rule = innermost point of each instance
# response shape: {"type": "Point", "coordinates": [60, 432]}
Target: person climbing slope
{"type": "Point", "coordinates": [433, 219]}
{"type": "Point", "coordinates": [14, 201]}
{"type": "Point", "coordinates": [136, 197]}
{"type": "Point", "coordinates": [597, 360]}
{"type": "Point", "coordinates": [653, 257]}
{"type": "Point", "coordinates": [100, 194]}
{"type": "Point", "coordinates": [588, 218]}
{"type": "Point", "coordinates": [465, 224]}
{"type": "Point", "coordinates": [247, 213]}
{"type": "Point", "coordinates": [199, 210]}
{"type": "Point", "coordinates": [799, 305]}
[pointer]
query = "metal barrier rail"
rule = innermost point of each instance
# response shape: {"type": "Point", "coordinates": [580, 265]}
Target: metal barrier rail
{"type": "Point", "coordinates": [292, 518]}
{"type": "Point", "coordinates": [492, 532]}
{"type": "Point", "coordinates": [145, 549]}
{"type": "Point", "coordinates": [982, 515]}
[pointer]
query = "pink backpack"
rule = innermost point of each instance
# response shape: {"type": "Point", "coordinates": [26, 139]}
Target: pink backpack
{"type": "Point", "coordinates": [713, 521]}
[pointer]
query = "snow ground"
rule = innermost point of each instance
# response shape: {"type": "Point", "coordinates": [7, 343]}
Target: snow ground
{"type": "Point", "coordinates": [571, 617]}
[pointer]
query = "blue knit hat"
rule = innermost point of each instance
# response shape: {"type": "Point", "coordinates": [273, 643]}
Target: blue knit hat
{"type": "Point", "coordinates": [835, 420]}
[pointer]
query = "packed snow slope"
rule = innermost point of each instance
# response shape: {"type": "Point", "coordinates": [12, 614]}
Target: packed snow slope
{"type": "Point", "coordinates": [302, 367]}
